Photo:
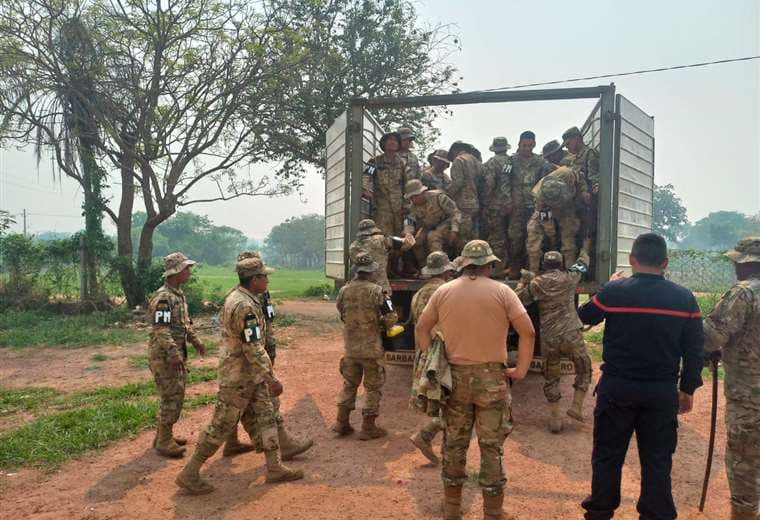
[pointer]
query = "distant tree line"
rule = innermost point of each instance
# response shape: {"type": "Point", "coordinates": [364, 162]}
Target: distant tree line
{"type": "Point", "coordinates": [297, 243]}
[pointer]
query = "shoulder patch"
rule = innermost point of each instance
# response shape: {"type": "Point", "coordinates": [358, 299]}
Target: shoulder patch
{"type": "Point", "coordinates": [163, 313]}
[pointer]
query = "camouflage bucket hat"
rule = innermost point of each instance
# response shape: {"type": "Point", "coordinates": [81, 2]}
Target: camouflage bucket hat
{"type": "Point", "coordinates": [477, 252]}
{"type": "Point", "coordinates": [365, 264]}
{"type": "Point", "coordinates": [387, 136]}
{"type": "Point", "coordinates": [571, 132]}
{"type": "Point", "coordinates": [248, 254]}
{"type": "Point", "coordinates": [500, 144]}
{"type": "Point", "coordinates": [413, 188]}
{"type": "Point", "coordinates": [406, 133]}
{"type": "Point", "coordinates": [551, 147]}
{"type": "Point", "coordinates": [746, 250]}
{"type": "Point", "coordinates": [252, 267]}
{"type": "Point", "coordinates": [367, 228]}
{"type": "Point", "coordinates": [439, 155]}
{"type": "Point", "coordinates": [437, 263]}
{"type": "Point", "coordinates": [175, 263]}
{"type": "Point", "coordinates": [555, 192]}
{"type": "Point", "coordinates": [553, 257]}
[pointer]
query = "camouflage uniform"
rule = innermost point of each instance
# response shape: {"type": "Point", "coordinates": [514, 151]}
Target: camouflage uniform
{"type": "Point", "coordinates": [379, 246]}
{"type": "Point", "coordinates": [734, 328]}
{"type": "Point", "coordinates": [562, 212]}
{"type": "Point", "coordinates": [586, 163]}
{"type": "Point", "coordinates": [497, 204]}
{"type": "Point", "coordinates": [524, 176]}
{"type": "Point", "coordinates": [389, 179]}
{"type": "Point", "coordinates": [413, 170]}
{"type": "Point", "coordinates": [466, 174]}
{"type": "Point", "coordinates": [435, 180]}
{"type": "Point", "coordinates": [431, 222]}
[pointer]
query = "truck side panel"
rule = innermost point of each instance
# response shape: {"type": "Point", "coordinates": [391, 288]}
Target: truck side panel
{"type": "Point", "coordinates": [335, 198]}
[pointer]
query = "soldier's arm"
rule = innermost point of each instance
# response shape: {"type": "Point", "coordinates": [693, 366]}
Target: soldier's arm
{"type": "Point", "coordinates": [728, 318]}
{"type": "Point", "coordinates": [251, 326]}
{"type": "Point", "coordinates": [451, 210]}
{"type": "Point", "coordinates": [458, 178]}
{"type": "Point", "coordinates": [523, 291]}
{"type": "Point", "coordinates": [195, 340]}
{"type": "Point", "coordinates": [692, 346]}
{"type": "Point", "coordinates": [592, 163]}
{"type": "Point", "coordinates": [387, 311]}
{"type": "Point", "coordinates": [504, 187]}
{"type": "Point", "coordinates": [162, 328]}
{"type": "Point", "coordinates": [339, 303]}
{"type": "Point", "coordinates": [489, 182]}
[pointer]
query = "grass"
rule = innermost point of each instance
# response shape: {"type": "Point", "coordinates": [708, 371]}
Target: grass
{"type": "Point", "coordinates": [283, 283]}
{"type": "Point", "coordinates": [99, 357]}
{"type": "Point", "coordinates": [27, 399]}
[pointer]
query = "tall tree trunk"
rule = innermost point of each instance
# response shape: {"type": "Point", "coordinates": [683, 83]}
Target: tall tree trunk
{"type": "Point", "coordinates": [133, 288]}
{"type": "Point", "coordinates": [93, 215]}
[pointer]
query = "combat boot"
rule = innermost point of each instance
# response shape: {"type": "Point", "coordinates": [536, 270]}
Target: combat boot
{"type": "Point", "coordinates": [452, 502]}
{"type": "Point", "coordinates": [370, 430]}
{"type": "Point", "coordinates": [424, 446]}
{"type": "Point", "coordinates": [576, 409]}
{"type": "Point", "coordinates": [165, 444]}
{"type": "Point", "coordinates": [743, 515]}
{"type": "Point", "coordinates": [291, 446]}
{"type": "Point", "coordinates": [493, 507]}
{"type": "Point", "coordinates": [342, 425]}
{"type": "Point", "coordinates": [277, 471]}
{"type": "Point", "coordinates": [233, 446]}
{"type": "Point", "coordinates": [190, 478]}
{"type": "Point", "coordinates": [555, 418]}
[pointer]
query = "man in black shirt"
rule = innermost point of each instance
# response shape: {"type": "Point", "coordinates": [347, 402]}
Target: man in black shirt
{"type": "Point", "coordinates": [653, 332]}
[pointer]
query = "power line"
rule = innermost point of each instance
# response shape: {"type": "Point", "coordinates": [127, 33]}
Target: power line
{"type": "Point", "coordinates": [632, 73]}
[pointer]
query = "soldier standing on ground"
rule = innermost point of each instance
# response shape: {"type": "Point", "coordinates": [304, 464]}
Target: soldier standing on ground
{"type": "Point", "coordinates": [554, 291]}
{"type": "Point", "coordinates": [389, 175]}
{"type": "Point", "coordinates": [434, 220]}
{"type": "Point", "coordinates": [466, 174]}
{"type": "Point", "coordinates": [406, 153]}
{"type": "Point", "coordinates": [439, 270]}
{"type": "Point", "coordinates": [246, 383]}
{"type": "Point", "coordinates": [733, 329]}
{"type": "Point", "coordinates": [474, 314]}
{"type": "Point", "coordinates": [435, 176]}
{"type": "Point", "coordinates": [370, 239]}
{"type": "Point", "coordinates": [496, 199]}
{"type": "Point", "coordinates": [364, 309]}
{"type": "Point", "coordinates": [171, 329]}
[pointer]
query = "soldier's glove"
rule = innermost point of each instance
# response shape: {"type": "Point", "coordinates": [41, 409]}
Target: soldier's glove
{"type": "Point", "coordinates": [579, 267]}
{"type": "Point", "coordinates": [408, 242]}
{"type": "Point", "coordinates": [275, 388]}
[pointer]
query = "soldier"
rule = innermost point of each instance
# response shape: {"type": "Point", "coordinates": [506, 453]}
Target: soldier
{"type": "Point", "coordinates": [370, 239]}
{"type": "Point", "coordinates": [171, 329]}
{"type": "Point", "coordinates": [389, 175]}
{"type": "Point", "coordinates": [584, 159]}
{"type": "Point", "coordinates": [555, 204]}
{"type": "Point", "coordinates": [363, 308]}
{"type": "Point", "coordinates": [289, 446]}
{"type": "Point", "coordinates": [733, 328]}
{"type": "Point", "coordinates": [496, 199]}
{"type": "Point", "coordinates": [246, 382]}
{"type": "Point", "coordinates": [434, 220]}
{"type": "Point", "coordinates": [527, 169]}
{"type": "Point", "coordinates": [405, 152]}
{"type": "Point", "coordinates": [554, 290]}
{"type": "Point", "coordinates": [439, 270]}
{"type": "Point", "coordinates": [466, 175]}
{"type": "Point", "coordinates": [435, 176]}
{"type": "Point", "coordinates": [554, 153]}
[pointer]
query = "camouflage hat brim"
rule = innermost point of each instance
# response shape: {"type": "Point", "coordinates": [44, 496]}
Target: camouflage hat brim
{"type": "Point", "coordinates": [370, 268]}
{"type": "Point", "coordinates": [179, 268]}
{"type": "Point", "coordinates": [499, 148]}
{"type": "Point", "coordinates": [414, 193]}
{"type": "Point", "coordinates": [369, 232]}
{"type": "Point", "coordinates": [742, 258]}
{"type": "Point", "coordinates": [481, 260]}
{"type": "Point", "coordinates": [435, 271]}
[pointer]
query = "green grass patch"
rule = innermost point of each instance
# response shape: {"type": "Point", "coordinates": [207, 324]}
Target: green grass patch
{"type": "Point", "coordinates": [707, 374]}
{"type": "Point", "coordinates": [99, 357]}
{"type": "Point", "coordinates": [212, 347]}
{"type": "Point", "coordinates": [284, 320]}
{"type": "Point", "coordinates": [594, 336]}
{"type": "Point", "coordinates": [283, 283]}
{"type": "Point", "coordinates": [199, 400]}
{"type": "Point", "coordinates": [20, 329]}
{"type": "Point", "coordinates": [707, 302]}
{"type": "Point", "coordinates": [201, 375]}
{"type": "Point", "coordinates": [139, 361]}
{"type": "Point", "coordinates": [28, 399]}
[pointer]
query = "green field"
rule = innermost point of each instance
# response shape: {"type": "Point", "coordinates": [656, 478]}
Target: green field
{"type": "Point", "coordinates": [283, 283]}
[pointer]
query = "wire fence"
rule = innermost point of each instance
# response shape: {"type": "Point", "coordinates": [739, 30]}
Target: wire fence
{"type": "Point", "coordinates": [701, 271]}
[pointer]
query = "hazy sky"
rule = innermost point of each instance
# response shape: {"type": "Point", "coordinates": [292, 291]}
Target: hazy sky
{"type": "Point", "coordinates": [707, 120]}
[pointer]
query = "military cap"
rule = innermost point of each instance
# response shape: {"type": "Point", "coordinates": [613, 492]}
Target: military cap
{"type": "Point", "coordinates": [365, 264]}
{"type": "Point", "coordinates": [175, 263]}
{"type": "Point", "coordinates": [571, 132]}
{"type": "Point", "coordinates": [458, 263]}
{"type": "Point", "coordinates": [387, 136]}
{"type": "Point", "coordinates": [252, 267]}
{"type": "Point", "coordinates": [406, 133]}
{"type": "Point", "coordinates": [413, 188]}
{"type": "Point", "coordinates": [437, 263]}
{"type": "Point", "coordinates": [554, 191]}
{"type": "Point", "coordinates": [746, 250]}
{"type": "Point", "coordinates": [500, 144]}
{"type": "Point", "coordinates": [248, 254]}
{"type": "Point", "coordinates": [455, 148]}
{"type": "Point", "coordinates": [551, 147]}
{"type": "Point", "coordinates": [478, 252]}
{"type": "Point", "coordinates": [439, 155]}
{"type": "Point", "coordinates": [553, 257]}
{"type": "Point", "coordinates": [368, 227]}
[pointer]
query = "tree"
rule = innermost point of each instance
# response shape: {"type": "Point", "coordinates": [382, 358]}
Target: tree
{"type": "Point", "coordinates": [299, 242]}
{"type": "Point", "coordinates": [720, 230]}
{"type": "Point", "coordinates": [670, 218]}
{"type": "Point", "coordinates": [6, 221]}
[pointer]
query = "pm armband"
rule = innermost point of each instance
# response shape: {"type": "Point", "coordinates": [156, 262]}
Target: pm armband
{"type": "Point", "coordinates": [251, 331]}
{"type": "Point", "coordinates": [545, 215]}
{"type": "Point", "coordinates": [163, 313]}
{"type": "Point", "coordinates": [268, 307]}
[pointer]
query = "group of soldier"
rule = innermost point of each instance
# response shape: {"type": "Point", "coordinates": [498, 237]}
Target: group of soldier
{"type": "Point", "coordinates": [522, 204]}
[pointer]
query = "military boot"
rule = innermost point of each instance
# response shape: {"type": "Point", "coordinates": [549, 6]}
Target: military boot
{"type": "Point", "coordinates": [576, 409]}
{"type": "Point", "coordinates": [743, 515]}
{"type": "Point", "coordinates": [452, 502]}
{"type": "Point", "coordinates": [342, 425]}
{"type": "Point", "coordinates": [370, 430]}
{"type": "Point", "coordinates": [190, 478]}
{"type": "Point", "coordinates": [555, 418]}
{"type": "Point", "coordinates": [493, 507]}
{"type": "Point", "coordinates": [291, 446]}
{"type": "Point", "coordinates": [179, 440]}
{"type": "Point", "coordinates": [276, 471]}
{"type": "Point", "coordinates": [165, 444]}
{"type": "Point", "coordinates": [233, 446]}
{"type": "Point", "coordinates": [424, 446]}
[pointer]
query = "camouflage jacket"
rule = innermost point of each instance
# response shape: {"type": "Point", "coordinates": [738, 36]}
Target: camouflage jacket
{"type": "Point", "coordinates": [171, 327]}
{"type": "Point", "coordinates": [567, 175]}
{"type": "Point", "coordinates": [525, 174]}
{"type": "Point", "coordinates": [466, 174]}
{"type": "Point", "coordinates": [270, 342]}
{"type": "Point", "coordinates": [438, 209]}
{"type": "Point", "coordinates": [360, 304]}
{"type": "Point", "coordinates": [389, 180]}
{"type": "Point", "coordinates": [243, 360]}
{"type": "Point", "coordinates": [496, 196]}
{"type": "Point", "coordinates": [412, 164]}
{"type": "Point", "coordinates": [434, 180]}
{"type": "Point", "coordinates": [378, 246]}
{"type": "Point", "coordinates": [734, 328]}
{"type": "Point", "coordinates": [586, 163]}
{"type": "Point", "coordinates": [554, 291]}
{"type": "Point", "coordinates": [421, 298]}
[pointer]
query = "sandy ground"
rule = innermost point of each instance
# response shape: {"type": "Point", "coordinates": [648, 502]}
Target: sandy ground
{"type": "Point", "coordinates": [345, 478]}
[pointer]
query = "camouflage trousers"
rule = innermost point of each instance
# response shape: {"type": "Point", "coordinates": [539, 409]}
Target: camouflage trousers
{"type": "Point", "coordinates": [571, 345]}
{"type": "Point", "coordinates": [467, 228]}
{"type": "Point", "coordinates": [743, 454]}
{"type": "Point", "coordinates": [250, 405]}
{"type": "Point", "coordinates": [516, 232]}
{"type": "Point", "coordinates": [539, 229]}
{"type": "Point", "coordinates": [170, 382]}
{"type": "Point", "coordinates": [479, 398]}
{"type": "Point", "coordinates": [497, 233]}
{"type": "Point", "coordinates": [436, 239]}
{"type": "Point", "coordinates": [390, 221]}
{"type": "Point", "coordinates": [354, 371]}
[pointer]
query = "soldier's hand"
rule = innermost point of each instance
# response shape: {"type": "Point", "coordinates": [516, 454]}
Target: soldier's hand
{"type": "Point", "coordinates": [200, 349]}
{"type": "Point", "coordinates": [619, 275]}
{"type": "Point", "coordinates": [513, 374]}
{"type": "Point", "coordinates": [275, 388]}
{"type": "Point", "coordinates": [685, 403]}
{"type": "Point", "coordinates": [586, 198]}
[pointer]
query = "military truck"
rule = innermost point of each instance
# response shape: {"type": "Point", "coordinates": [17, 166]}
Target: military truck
{"type": "Point", "coordinates": [622, 133]}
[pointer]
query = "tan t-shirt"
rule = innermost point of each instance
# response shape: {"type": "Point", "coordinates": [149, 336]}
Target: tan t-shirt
{"type": "Point", "coordinates": [474, 316]}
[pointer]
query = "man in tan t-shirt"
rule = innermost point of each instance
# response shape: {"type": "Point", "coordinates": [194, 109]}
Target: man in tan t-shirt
{"type": "Point", "coordinates": [474, 314]}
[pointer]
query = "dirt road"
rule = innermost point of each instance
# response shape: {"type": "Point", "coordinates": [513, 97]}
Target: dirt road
{"type": "Point", "coordinates": [347, 478]}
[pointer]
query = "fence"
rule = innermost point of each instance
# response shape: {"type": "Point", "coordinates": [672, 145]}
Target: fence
{"type": "Point", "coordinates": [701, 271]}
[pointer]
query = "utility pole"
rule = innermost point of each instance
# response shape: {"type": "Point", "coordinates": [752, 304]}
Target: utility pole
{"type": "Point", "coordinates": [24, 221]}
